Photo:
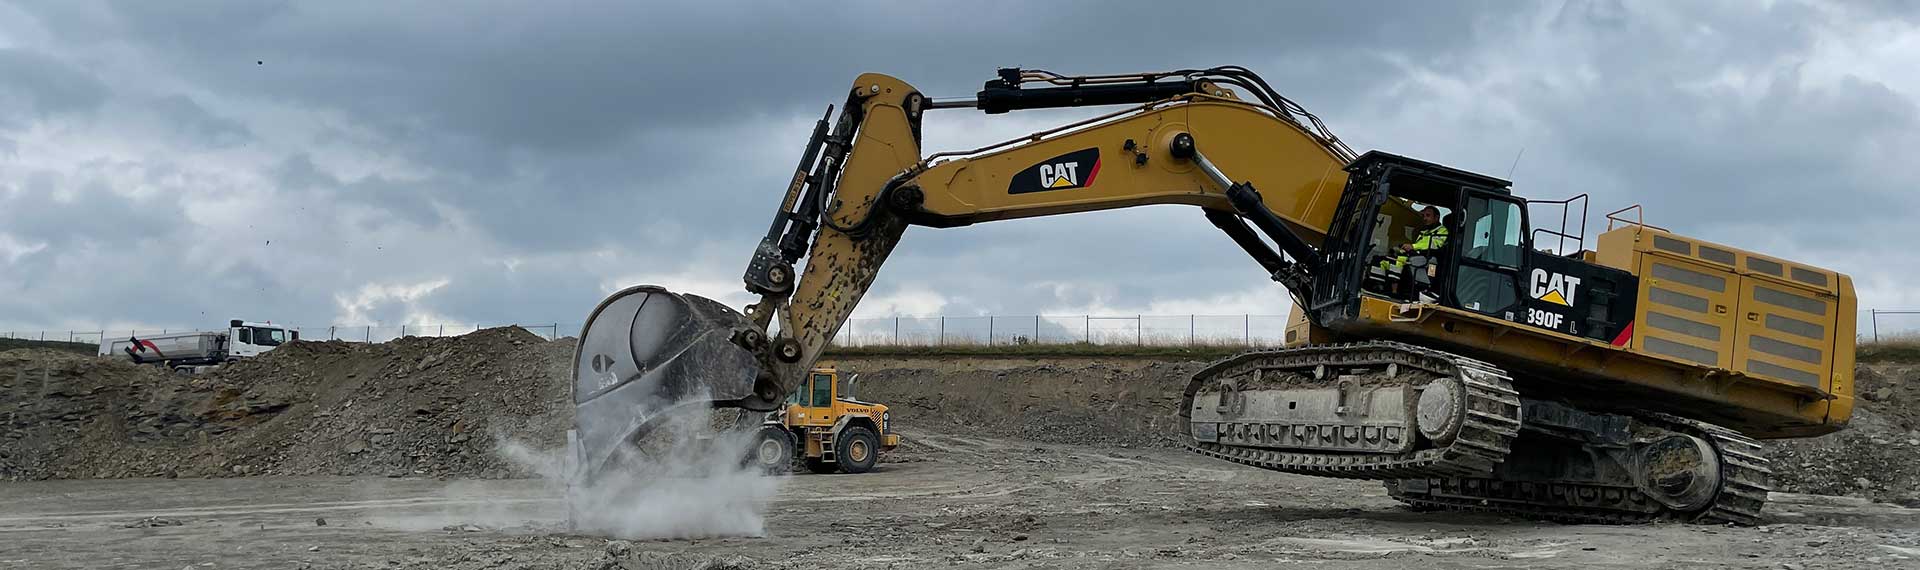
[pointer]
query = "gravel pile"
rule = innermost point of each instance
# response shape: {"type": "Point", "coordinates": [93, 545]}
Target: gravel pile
{"type": "Point", "coordinates": [1876, 457]}
{"type": "Point", "coordinates": [1076, 401]}
{"type": "Point", "coordinates": [413, 407]}
{"type": "Point", "coordinates": [441, 407]}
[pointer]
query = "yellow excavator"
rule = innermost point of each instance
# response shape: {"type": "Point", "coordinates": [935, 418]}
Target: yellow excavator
{"type": "Point", "coordinates": [1625, 383]}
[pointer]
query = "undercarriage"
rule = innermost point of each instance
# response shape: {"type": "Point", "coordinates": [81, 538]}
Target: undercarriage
{"type": "Point", "coordinates": [1448, 432]}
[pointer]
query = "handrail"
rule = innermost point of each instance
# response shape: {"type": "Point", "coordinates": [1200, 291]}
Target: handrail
{"type": "Point", "coordinates": [1638, 218]}
{"type": "Point", "coordinates": [1566, 209]}
{"type": "Point", "coordinates": [1558, 249]}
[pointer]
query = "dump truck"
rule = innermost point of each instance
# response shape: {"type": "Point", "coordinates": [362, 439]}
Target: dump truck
{"type": "Point", "coordinates": [198, 351]}
{"type": "Point", "coordinates": [824, 428]}
{"type": "Point", "coordinates": [1489, 370]}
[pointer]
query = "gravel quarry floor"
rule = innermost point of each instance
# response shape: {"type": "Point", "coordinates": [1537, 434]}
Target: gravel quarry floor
{"type": "Point", "coordinates": [1008, 462]}
{"type": "Point", "coordinates": [954, 501]}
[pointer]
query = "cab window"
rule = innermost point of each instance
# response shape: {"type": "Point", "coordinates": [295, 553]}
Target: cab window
{"type": "Point", "coordinates": [822, 390]}
{"type": "Point", "coordinates": [1493, 232]}
{"type": "Point", "coordinates": [246, 335]}
{"type": "Point", "coordinates": [269, 337]}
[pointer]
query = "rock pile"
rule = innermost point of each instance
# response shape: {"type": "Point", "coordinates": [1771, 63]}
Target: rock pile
{"type": "Point", "coordinates": [1876, 457]}
{"type": "Point", "coordinates": [441, 407]}
{"type": "Point", "coordinates": [416, 406]}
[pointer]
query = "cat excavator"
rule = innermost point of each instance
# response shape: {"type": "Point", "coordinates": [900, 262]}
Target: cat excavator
{"type": "Point", "coordinates": [1625, 383]}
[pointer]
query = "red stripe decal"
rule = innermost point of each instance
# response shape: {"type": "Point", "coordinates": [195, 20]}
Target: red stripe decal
{"type": "Point", "coordinates": [1626, 334]}
{"type": "Point", "coordinates": [1093, 173]}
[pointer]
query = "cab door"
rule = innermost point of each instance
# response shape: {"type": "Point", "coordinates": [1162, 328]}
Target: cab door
{"type": "Point", "coordinates": [1488, 250]}
{"type": "Point", "coordinates": [815, 407]}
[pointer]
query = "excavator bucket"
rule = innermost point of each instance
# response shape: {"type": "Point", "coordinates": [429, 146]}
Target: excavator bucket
{"type": "Point", "coordinates": [647, 353]}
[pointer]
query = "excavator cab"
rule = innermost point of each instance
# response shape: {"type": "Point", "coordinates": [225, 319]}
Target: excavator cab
{"type": "Point", "coordinates": [1487, 264]}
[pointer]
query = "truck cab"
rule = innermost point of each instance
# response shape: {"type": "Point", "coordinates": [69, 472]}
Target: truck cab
{"type": "Point", "coordinates": [247, 339]}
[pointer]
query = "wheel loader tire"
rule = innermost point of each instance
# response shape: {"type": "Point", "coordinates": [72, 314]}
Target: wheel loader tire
{"type": "Point", "coordinates": [772, 451]}
{"type": "Point", "coordinates": [858, 449]}
{"type": "Point", "coordinates": [821, 466]}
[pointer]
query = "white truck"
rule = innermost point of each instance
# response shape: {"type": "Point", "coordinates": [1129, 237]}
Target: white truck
{"type": "Point", "coordinates": [193, 352]}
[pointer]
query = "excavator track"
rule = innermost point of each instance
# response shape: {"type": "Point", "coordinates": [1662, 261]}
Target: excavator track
{"type": "Point", "coordinates": [1491, 421]}
{"type": "Point", "coordinates": [1744, 475]}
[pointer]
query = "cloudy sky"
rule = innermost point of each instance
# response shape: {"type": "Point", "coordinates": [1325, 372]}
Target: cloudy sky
{"type": "Point", "coordinates": [175, 164]}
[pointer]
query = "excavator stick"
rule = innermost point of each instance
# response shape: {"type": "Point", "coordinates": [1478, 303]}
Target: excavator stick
{"type": "Point", "coordinates": [646, 354]}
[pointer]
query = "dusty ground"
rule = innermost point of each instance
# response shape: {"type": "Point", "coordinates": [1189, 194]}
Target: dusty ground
{"type": "Point", "coordinates": [1064, 462]}
{"type": "Point", "coordinates": [966, 502]}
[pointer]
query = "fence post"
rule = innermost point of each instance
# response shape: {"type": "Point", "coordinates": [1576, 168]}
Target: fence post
{"type": "Point", "coordinates": [1190, 330]}
{"type": "Point", "coordinates": [1086, 324]}
{"type": "Point", "coordinates": [1873, 315]}
{"type": "Point", "coordinates": [556, 330]}
{"type": "Point", "coordinates": [1036, 328]}
{"type": "Point", "coordinates": [443, 330]}
{"type": "Point", "coordinates": [1139, 329]}
{"type": "Point", "coordinates": [989, 330]}
{"type": "Point", "coordinates": [896, 330]}
{"type": "Point", "coordinates": [369, 334]}
{"type": "Point", "coordinates": [943, 331]}
{"type": "Point", "coordinates": [1246, 329]}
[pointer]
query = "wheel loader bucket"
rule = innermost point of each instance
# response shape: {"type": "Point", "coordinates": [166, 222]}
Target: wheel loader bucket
{"type": "Point", "coordinates": [645, 350]}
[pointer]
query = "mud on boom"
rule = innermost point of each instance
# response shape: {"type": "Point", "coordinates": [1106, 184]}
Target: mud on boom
{"type": "Point", "coordinates": [1475, 371]}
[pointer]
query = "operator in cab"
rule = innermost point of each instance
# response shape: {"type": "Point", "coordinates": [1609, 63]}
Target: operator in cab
{"type": "Point", "coordinates": [1426, 240]}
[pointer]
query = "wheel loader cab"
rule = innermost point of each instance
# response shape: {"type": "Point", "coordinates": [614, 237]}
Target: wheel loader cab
{"type": "Point", "coordinates": [1486, 264]}
{"type": "Point", "coordinates": [811, 405]}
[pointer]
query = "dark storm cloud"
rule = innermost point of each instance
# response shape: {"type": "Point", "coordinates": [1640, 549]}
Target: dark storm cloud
{"type": "Point", "coordinates": [86, 214]}
{"type": "Point", "coordinates": [41, 86]}
{"type": "Point", "coordinates": [194, 122]}
{"type": "Point", "coordinates": [572, 77]}
{"type": "Point", "coordinates": [512, 161]}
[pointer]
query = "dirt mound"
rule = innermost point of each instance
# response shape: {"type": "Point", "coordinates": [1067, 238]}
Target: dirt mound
{"type": "Point", "coordinates": [1875, 456]}
{"type": "Point", "coordinates": [415, 406]}
{"type": "Point", "coordinates": [1082, 401]}
{"type": "Point", "coordinates": [442, 406]}
{"type": "Point", "coordinates": [1131, 401]}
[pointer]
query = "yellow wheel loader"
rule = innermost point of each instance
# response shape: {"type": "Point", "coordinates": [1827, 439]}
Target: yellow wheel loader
{"type": "Point", "coordinates": [1624, 383]}
{"type": "Point", "coordinates": [824, 430]}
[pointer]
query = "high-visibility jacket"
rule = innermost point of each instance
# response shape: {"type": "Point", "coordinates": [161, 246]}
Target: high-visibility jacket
{"type": "Point", "coordinates": [1427, 240]}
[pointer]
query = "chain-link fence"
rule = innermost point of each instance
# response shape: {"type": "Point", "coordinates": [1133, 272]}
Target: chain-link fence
{"type": "Point", "coordinates": [1148, 330]}
{"type": "Point", "coordinates": [1879, 324]}
{"type": "Point", "coordinates": [351, 333]}
{"type": "Point", "coordinates": [1156, 330]}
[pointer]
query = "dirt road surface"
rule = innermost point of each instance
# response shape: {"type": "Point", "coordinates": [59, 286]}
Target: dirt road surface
{"type": "Point", "coordinates": [949, 501]}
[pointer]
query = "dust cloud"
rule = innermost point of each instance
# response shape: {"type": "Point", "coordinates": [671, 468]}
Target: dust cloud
{"type": "Point", "coordinates": [687, 480]}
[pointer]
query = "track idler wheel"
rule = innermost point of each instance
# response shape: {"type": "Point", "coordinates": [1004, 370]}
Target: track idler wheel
{"type": "Point", "coordinates": [1440, 411]}
{"type": "Point", "coordinates": [1678, 470]}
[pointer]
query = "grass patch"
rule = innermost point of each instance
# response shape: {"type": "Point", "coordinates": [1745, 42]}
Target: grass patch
{"type": "Point", "coordinates": [1900, 349]}
{"type": "Point", "coordinates": [1174, 352]}
{"type": "Point", "coordinates": [87, 348]}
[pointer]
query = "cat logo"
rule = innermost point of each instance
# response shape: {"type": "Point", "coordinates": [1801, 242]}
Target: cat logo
{"type": "Point", "coordinates": [1059, 175]}
{"type": "Point", "coordinates": [1554, 287]}
{"type": "Point", "coordinates": [1075, 169]}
